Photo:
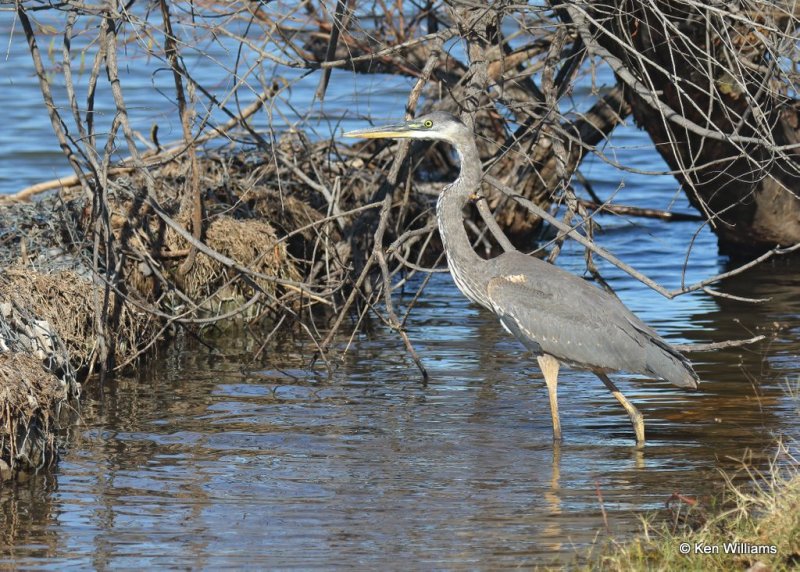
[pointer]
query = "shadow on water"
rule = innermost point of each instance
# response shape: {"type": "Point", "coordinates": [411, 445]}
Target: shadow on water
{"type": "Point", "coordinates": [205, 461]}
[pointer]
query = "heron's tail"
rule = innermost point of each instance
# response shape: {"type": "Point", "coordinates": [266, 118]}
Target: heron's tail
{"type": "Point", "coordinates": [672, 366]}
{"type": "Point", "coordinates": [683, 375]}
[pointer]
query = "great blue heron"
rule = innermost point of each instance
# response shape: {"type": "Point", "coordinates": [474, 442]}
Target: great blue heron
{"type": "Point", "coordinates": [556, 315]}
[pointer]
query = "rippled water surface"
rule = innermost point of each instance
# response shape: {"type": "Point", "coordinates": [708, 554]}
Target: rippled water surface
{"type": "Point", "coordinates": [207, 459]}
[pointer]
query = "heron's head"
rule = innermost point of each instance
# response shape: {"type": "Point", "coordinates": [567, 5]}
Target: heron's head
{"type": "Point", "coordinates": [438, 125]}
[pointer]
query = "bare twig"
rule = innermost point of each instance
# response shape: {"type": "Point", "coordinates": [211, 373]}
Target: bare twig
{"type": "Point", "coordinates": [626, 210]}
{"type": "Point", "coordinates": [572, 233]}
{"type": "Point", "coordinates": [691, 348]}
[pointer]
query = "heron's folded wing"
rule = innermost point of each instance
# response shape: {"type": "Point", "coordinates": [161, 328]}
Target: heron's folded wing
{"type": "Point", "coordinates": [579, 325]}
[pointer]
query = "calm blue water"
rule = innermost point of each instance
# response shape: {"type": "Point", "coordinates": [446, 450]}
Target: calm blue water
{"type": "Point", "coordinates": [205, 460]}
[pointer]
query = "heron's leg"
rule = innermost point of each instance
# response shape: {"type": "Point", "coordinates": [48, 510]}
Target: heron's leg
{"type": "Point", "coordinates": [549, 366]}
{"type": "Point", "coordinates": [636, 418]}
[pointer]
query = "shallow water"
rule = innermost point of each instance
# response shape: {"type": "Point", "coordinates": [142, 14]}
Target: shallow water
{"type": "Point", "coordinates": [206, 460]}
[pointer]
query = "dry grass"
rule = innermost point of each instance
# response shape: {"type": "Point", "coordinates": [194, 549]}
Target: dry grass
{"type": "Point", "coordinates": [30, 399]}
{"type": "Point", "coordinates": [52, 316]}
{"type": "Point", "coordinates": [757, 529]}
{"type": "Point", "coordinates": [253, 244]}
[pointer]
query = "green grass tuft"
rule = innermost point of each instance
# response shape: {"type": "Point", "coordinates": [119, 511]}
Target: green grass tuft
{"type": "Point", "coordinates": [763, 515]}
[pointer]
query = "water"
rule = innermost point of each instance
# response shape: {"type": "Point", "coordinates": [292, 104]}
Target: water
{"type": "Point", "coordinates": [211, 461]}
{"type": "Point", "coordinates": [208, 460]}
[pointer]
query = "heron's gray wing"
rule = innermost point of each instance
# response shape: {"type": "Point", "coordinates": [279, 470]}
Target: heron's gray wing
{"type": "Point", "coordinates": [653, 337]}
{"type": "Point", "coordinates": [565, 316]}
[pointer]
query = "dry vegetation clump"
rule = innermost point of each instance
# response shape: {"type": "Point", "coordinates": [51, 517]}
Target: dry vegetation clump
{"type": "Point", "coordinates": [263, 231]}
{"type": "Point", "coordinates": [289, 212]}
{"type": "Point", "coordinates": [292, 218]}
{"type": "Point", "coordinates": [757, 528]}
{"type": "Point", "coordinates": [51, 316]}
{"type": "Point", "coordinates": [251, 243]}
{"type": "Point", "coordinates": [30, 399]}
{"type": "Point", "coordinates": [246, 220]}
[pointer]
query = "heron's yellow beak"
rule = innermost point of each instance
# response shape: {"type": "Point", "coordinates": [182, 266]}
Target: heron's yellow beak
{"type": "Point", "coordinates": [405, 130]}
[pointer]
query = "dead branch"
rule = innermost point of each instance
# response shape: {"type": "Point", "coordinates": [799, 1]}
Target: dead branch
{"type": "Point", "coordinates": [624, 210]}
{"type": "Point", "coordinates": [572, 233]}
{"type": "Point", "coordinates": [691, 348]}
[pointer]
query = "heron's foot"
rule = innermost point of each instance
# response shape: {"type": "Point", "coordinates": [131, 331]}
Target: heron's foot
{"type": "Point", "coordinates": [636, 418]}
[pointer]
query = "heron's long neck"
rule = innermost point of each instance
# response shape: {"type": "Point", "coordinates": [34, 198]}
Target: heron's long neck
{"type": "Point", "coordinates": [461, 257]}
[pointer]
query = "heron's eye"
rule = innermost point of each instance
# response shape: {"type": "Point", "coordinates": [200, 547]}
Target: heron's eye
{"type": "Point", "coordinates": [428, 123]}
